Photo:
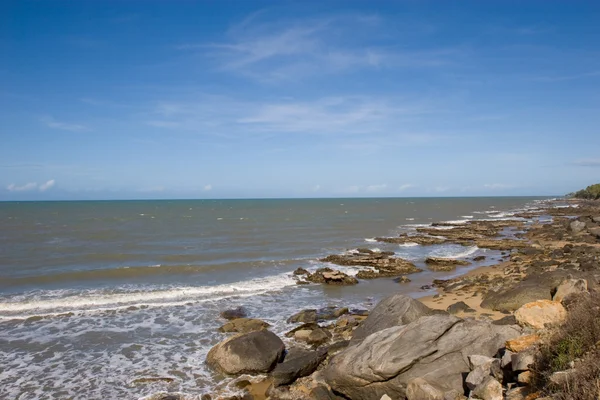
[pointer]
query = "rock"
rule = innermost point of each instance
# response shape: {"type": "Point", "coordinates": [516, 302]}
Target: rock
{"type": "Point", "coordinates": [482, 371]}
{"type": "Point", "coordinates": [382, 263]}
{"type": "Point", "coordinates": [459, 307]}
{"type": "Point", "coordinates": [402, 279]}
{"type": "Point", "coordinates": [233, 313]}
{"type": "Point", "coordinates": [479, 258]}
{"type": "Point", "coordinates": [569, 287]}
{"type": "Point", "coordinates": [318, 336]}
{"type": "Point", "coordinates": [419, 239]}
{"type": "Point", "coordinates": [433, 347]}
{"type": "Point", "coordinates": [539, 313]}
{"type": "Point", "coordinates": [521, 361]}
{"type": "Point", "coordinates": [596, 219]}
{"type": "Point", "coordinates": [244, 325]}
{"type": "Point", "coordinates": [331, 277]}
{"type": "Point", "coordinates": [513, 298]}
{"type": "Point", "coordinates": [394, 310]}
{"type": "Point", "coordinates": [419, 389]}
{"type": "Point", "coordinates": [248, 353]}
{"type": "Point", "coordinates": [297, 367]}
{"type": "Point", "coordinates": [454, 395]}
{"type": "Point", "coordinates": [489, 389]}
{"type": "Point", "coordinates": [577, 226]}
{"type": "Point", "coordinates": [385, 397]}
{"type": "Point", "coordinates": [506, 360]}
{"type": "Point", "coordinates": [522, 343]}
{"type": "Point", "coordinates": [562, 378]}
{"type": "Point", "coordinates": [519, 393]}
{"type": "Point", "coordinates": [524, 378]}
{"type": "Point", "coordinates": [443, 264]}
{"type": "Point", "coordinates": [300, 271]}
{"type": "Point", "coordinates": [476, 360]}
{"type": "Point", "coordinates": [508, 320]}
{"type": "Point", "coordinates": [595, 232]}
{"type": "Point", "coordinates": [305, 316]}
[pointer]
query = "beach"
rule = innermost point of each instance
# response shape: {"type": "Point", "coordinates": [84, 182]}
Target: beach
{"type": "Point", "coordinates": [139, 330]}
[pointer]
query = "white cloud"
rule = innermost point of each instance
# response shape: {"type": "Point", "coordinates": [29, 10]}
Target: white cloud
{"type": "Point", "coordinates": [50, 122]}
{"type": "Point", "coordinates": [292, 49]}
{"type": "Point", "coordinates": [376, 188]}
{"type": "Point", "coordinates": [208, 188]}
{"type": "Point", "coordinates": [24, 188]}
{"type": "Point", "coordinates": [405, 186]}
{"type": "Point", "coordinates": [48, 185]}
{"type": "Point", "coordinates": [589, 162]}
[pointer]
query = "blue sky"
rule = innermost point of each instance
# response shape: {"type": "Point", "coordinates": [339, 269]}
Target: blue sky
{"type": "Point", "coordinates": [221, 99]}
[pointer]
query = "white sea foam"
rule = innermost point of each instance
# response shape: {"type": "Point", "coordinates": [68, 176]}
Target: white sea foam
{"type": "Point", "coordinates": [408, 244]}
{"type": "Point", "coordinates": [410, 219]}
{"type": "Point", "coordinates": [61, 301]}
{"type": "Point", "coordinates": [466, 216]}
{"type": "Point", "coordinates": [370, 240]}
{"type": "Point", "coordinates": [454, 251]}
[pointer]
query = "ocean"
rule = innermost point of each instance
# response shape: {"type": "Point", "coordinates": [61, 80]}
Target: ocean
{"type": "Point", "coordinates": [97, 295]}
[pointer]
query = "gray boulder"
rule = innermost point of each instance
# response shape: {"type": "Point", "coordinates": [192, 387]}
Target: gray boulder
{"type": "Point", "coordinates": [246, 353]}
{"type": "Point", "coordinates": [489, 389]}
{"type": "Point", "coordinates": [577, 226]}
{"type": "Point", "coordinates": [392, 311]}
{"type": "Point", "coordinates": [296, 367]}
{"type": "Point", "coordinates": [434, 348]}
{"type": "Point", "coordinates": [513, 298]}
{"type": "Point", "coordinates": [595, 232]}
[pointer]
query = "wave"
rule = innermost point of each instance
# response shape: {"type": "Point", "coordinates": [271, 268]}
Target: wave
{"type": "Point", "coordinates": [61, 301]}
{"type": "Point", "coordinates": [408, 244]}
{"type": "Point", "coordinates": [370, 240]}
{"type": "Point", "coordinates": [454, 251]}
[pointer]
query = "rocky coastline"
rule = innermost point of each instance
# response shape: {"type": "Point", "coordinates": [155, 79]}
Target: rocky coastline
{"type": "Point", "coordinates": [477, 338]}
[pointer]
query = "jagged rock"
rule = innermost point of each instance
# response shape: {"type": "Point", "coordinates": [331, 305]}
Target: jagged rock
{"type": "Point", "coordinates": [475, 360]}
{"type": "Point", "coordinates": [595, 232]}
{"type": "Point", "coordinates": [383, 264]}
{"type": "Point", "coordinates": [434, 347]}
{"type": "Point", "coordinates": [313, 315]}
{"type": "Point", "coordinates": [519, 393]}
{"type": "Point", "coordinates": [402, 279]}
{"type": "Point", "coordinates": [561, 378]}
{"type": "Point", "coordinates": [521, 361]}
{"type": "Point", "coordinates": [419, 239]}
{"type": "Point", "coordinates": [577, 226]}
{"type": "Point", "coordinates": [443, 264]}
{"type": "Point", "coordinates": [539, 313]}
{"type": "Point", "coordinates": [459, 307]}
{"type": "Point", "coordinates": [482, 371]}
{"type": "Point", "coordinates": [394, 310]}
{"type": "Point", "coordinates": [419, 389]}
{"type": "Point", "coordinates": [301, 271]}
{"type": "Point", "coordinates": [569, 287]}
{"type": "Point", "coordinates": [454, 395]}
{"type": "Point", "coordinates": [305, 316]}
{"type": "Point", "coordinates": [233, 313]}
{"type": "Point", "coordinates": [296, 367]}
{"type": "Point", "coordinates": [524, 378]}
{"type": "Point", "coordinates": [522, 343]}
{"type": "Point", "coordinates": [331, 277]}
{"type": "Point", "coordinates": [506, 360]}
{"type": "Point", "coordinates": [243, 325]}
{"type": "Point", "coordinates": [252, 352]}
{"type": "Point", "coordinates": [489, 389]}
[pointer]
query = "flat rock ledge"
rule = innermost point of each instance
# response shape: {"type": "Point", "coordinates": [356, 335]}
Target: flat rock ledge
{"type": "Point", "coordinates": [382, 264]}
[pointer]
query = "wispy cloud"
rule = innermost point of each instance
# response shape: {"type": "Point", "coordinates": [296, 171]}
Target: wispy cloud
{"type": "Point", "coordinates": [31, 186]}
{"type": "Point", "coordinates": [376, 188]}
{"type": "Point", "coordinates": [208, 188]}
{"type": "Point", "coordinates": [50, 122]}
{"type": "Point", "coordinates": [405, 186]}
{"type": "Point", "coordinates": [589, 162]}
{"type": "Point", "coordinates": [292, 49]}
{"type": "Point", "coordinates": [559, 78]}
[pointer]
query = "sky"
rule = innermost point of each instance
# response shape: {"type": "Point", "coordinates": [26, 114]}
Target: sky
{"type": "Point", "coordinates": [252, 99]}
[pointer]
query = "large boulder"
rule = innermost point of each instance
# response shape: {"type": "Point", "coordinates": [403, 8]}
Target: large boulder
{"type": "Point", "coordinates": [513, 298]}
{"type": "Point", "coordinates": [394, 310]}
{"type": "Point", "coordinates": [247, 353]}
{"type": "Point", "coordinates": [297, 366]}
{"type": "Point", "coordinates": [570, 287]}
{"type": "Point", "coordinates": [233, 313]}
{"type": "Point", "coordinates": [577, 226]}
{"type": "Point", "coordinates": [539, 313]}
{"type": "Point", "coordinates": [434, 348]}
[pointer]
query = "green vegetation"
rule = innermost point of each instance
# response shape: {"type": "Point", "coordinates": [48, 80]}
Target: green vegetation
{"type": "Point", "coordinates": [591, 192]}
{"type": "Point", "coordinates": [574, 344]}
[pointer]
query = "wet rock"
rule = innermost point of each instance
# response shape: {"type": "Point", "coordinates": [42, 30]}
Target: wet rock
{"type": "Point", "coordinates": [301, 271]}
{"type": "Point", "coordinates": [394, 310]}
{"type": "Point", "coordinates": [312, 315]}
{"type": "Point", "coordinates": [402, 279]}
{"type": "Point", "coordinates": [419, 389]}
{"type": "Point", "coordinates": [570, 287]}
{"type": "Point", "coordinates": [479, 258]}
{"type": "Point", "coordinates": [331, 277]}
{"type": "Point", "coordinates": [297, 367]}
{"type": "Point", "coordinates": [253, 352]}
{"type": "Point", "coordinates": [419, 239]}
{"type": "Point", "coordinates": [539, 313]}
{"type": "Point", "coordinates": [489, 389]}
{"type": "Point", "coordinates": [305, 316]}
{"type": "Point", "coordinates": [382, 264]}
{"type": "Point", "coordinates": [433, 346]}
{"type": "Point", "coordinates": [233, 313]}
{"type": "Point", "coordinates": [459, 307]}
{"type": "Point", "coordinates": [244, 325]}
{"type": "Point", "coordinates": [443, 264]}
